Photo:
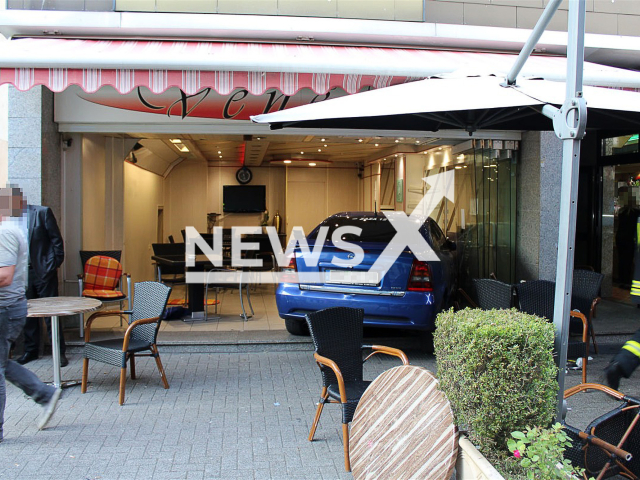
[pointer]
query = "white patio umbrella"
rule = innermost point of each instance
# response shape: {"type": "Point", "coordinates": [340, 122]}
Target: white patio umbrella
{"type": "Point", "coordinates": [469, 103]}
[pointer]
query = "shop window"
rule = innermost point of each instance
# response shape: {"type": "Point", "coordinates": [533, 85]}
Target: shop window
{"type": "Point", "coordinates": [620, 145]}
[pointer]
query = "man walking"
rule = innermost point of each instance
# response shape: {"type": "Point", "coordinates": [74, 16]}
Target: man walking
{"type": "Point", "coordinates": [13, 310]}
{"type": "Point", "coordinates": [46, 254]}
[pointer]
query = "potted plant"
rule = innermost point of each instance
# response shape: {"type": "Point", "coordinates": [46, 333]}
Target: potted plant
{"type": "Point", "coordinates": [497, 369]}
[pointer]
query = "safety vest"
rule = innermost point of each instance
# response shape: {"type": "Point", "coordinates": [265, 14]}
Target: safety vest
{"type": "Point", "coordinates": [635, 283]}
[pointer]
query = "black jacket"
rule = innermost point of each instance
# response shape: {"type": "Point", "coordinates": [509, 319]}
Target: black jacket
{"type": "Point", "coordinates": [46, 248]}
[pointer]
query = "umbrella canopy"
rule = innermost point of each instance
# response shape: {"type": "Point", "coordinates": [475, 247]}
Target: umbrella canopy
{"type": "Point", "coordinates": [469, 103]}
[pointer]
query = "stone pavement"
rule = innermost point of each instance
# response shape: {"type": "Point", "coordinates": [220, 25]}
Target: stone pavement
{"type": "Point", "coordinates": [235, 410]}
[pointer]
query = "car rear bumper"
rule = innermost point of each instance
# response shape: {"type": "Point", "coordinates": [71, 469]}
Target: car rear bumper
{"type": "Point", "coordinates": [410, 310]}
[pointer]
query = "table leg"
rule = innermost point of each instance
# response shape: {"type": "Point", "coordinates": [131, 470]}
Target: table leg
{"type": "Point", "coordinates": [55, 351]}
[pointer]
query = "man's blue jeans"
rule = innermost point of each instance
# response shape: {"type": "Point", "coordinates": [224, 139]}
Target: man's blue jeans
{"type": "Point", "coordinates": [12, 320]}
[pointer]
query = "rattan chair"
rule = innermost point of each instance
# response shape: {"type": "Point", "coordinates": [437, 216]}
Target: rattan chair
{"type": "Point", "coordinates": [537, 297]}
{"type": "Point", "coordinates": [487, 294]}
{"type": "Point", "coordinates": [150, 300]}
{"type": "Point", "coordinates": [585, 296]}
{"type": "Point", "coordinates": [337, 335]}
{"type": "Point", "coordinates": [610, 445]}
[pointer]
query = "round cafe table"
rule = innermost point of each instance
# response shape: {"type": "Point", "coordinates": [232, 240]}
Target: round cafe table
{"type": "Point", "coordinates": [56, 307]}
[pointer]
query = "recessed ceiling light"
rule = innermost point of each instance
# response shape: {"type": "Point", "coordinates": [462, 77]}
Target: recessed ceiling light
{"type": "Point", "coordinates": [360, 140]}
{"type": "Point", "coordinates": [397, 141]}
{"type": "Point", "coordinates": [287, 161]}
{"type": "Point", "coordinates": [325, 146]}
{"type": "Point", "coordinates": [319, 149]}
{"type": "Point", "coordinates": [323, 139]}
{"type": "Point", "coordinates": [301, 153]}
{"type": "Point", "coordinates": [417, 141]}
{"type": "Point", "coordinates": [181, 147]}
{"type": "Point", "coordinates": [175, 140]}
{"type": "Point", "coordinates": [312, 164]}
{"type": "Point", "coordinates": [219, 152]}
{"type": "Point", "coordinates": [458, 168]}
{"type": "Point", "coordinates": [258, 138]}
{"type": "Point", "coordinates": [220, 156]}
{"type": "Point", "coordinates": [377, 144]}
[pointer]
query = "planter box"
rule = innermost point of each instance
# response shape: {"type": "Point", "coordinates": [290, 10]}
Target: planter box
{"type": "Point", "coordinates": [471, 464]}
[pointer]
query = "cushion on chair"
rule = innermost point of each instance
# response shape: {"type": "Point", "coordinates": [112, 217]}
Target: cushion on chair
{"type": "Point", "coordinates": [103, 294]}
{"type": "Point", "coordinates": [102, 273]}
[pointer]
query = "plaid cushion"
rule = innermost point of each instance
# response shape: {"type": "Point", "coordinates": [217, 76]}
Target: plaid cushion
{"type": "Point", "coordinates": [102, 294]}
{"type": "Point", "coordinates": [102, 273]}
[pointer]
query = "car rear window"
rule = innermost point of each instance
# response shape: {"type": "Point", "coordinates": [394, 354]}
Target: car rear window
{"type": "Point", "coordinates": [374, 229]}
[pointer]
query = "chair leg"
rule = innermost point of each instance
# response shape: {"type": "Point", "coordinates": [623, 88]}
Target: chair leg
{"type": "Point", "coordinates": [123, 379]}
{"type": "Point", "coordinates": [323, 397]}
{"type": "Point", "coordinates": [593, 338]}
{"type": "Point", "coordinates": [82, 325]}
{"type": "Point", "coordinates": [132, 366]}
{"type": "Point", "coordinates": [249, 299]}
{"type": "Point", "coordinates": [584, 368]}
{"type": "Point", "coordinates": [163, 375]}
{"type": "Point", "coordinates": [345, 440]}
{"type": "Point", "coordinates": [85, 375]}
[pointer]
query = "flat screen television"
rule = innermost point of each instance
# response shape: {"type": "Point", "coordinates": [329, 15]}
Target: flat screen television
{"type": "Point", "coordinates": [243, 198]}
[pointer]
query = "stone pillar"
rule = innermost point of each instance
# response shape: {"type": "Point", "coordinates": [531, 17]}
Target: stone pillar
{"type": "Point", "coordinates": [34, 149]}
{"type": "Point", "coordinates": [538, 197]}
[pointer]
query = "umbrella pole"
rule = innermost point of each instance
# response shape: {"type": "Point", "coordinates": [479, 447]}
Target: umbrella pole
{"type": "Point", "coordinates": [569, 124]}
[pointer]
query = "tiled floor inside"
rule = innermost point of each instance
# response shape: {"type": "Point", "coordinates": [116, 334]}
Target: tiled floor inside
{"type": "Point", "coordinates": [227, 319]}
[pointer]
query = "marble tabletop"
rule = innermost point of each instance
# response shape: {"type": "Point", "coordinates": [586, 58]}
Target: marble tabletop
{"type": "Point", "coordinates": [61, 306]}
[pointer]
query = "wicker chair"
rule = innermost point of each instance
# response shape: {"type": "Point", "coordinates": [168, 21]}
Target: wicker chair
{"type": "Point", "coordinates": [144, 322]}
{"type": "Point", "coordinates": [537, 297]}
{"type": "Point", "coordinates": [493, 294]}
{"type": "Point", "coordinates": [337, 335]}
{"type": "Point", "coordinates": [585, 296]}
{"type": "Point", "coordinates": [606, 445]}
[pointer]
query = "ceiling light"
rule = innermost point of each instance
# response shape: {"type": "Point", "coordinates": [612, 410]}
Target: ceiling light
{"type": "Point", "coordinates": [287, 161]}
{"type": "Point", "coordinates": [175, 140]}
{"type": "Point", "coordinates": [323, 139]}
{"type": "Point", "coordinates": [377, 144]}
{"type": "Point", "coordinates": [417, 141]}
{"type": "Point", "coordinates": [219, 152]}
{"type": "Point", "coordinates": [458, 168]}
{"type": "Point", "coordinates": [181, 147]}
{"type": "Point", "coordinates": [360, 140]}
{"type": "Point", "coordinates": [258, 138]}
{"type": "Point", "coordinates": [325, 146]}
{"type": "Point", "coordinates": [312, 164]}
{"type": "Point", "coordinates": [220, 156]}
{"type": "Point", "coordinates": [319, 149]}
{"type": "Point", "coordinates": [397, 141]}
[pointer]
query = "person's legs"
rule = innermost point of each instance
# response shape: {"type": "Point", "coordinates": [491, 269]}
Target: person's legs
{"type": "Point", "coordinates": [41, 288]}
{"type": "Point", "coordinates": [625, 362]}
{"type": "Point", "coordinates": [12, 320]}
{"type": "Point", "coordinates": [31, 327]}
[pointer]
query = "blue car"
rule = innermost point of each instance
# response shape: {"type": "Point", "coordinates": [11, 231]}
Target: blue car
{"type": "Point", "coordinates": [408, 296]}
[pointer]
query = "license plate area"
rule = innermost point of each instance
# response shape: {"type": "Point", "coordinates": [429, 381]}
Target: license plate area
{"type": "Point", "coordinates": [351, 277]}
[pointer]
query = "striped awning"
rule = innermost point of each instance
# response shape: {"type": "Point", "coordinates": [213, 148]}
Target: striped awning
{"type": "Point", "coordinates": [191, 66]}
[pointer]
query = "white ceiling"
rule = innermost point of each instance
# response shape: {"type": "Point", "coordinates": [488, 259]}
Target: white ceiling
{"type": "Point", "coordinates": [158, 154]}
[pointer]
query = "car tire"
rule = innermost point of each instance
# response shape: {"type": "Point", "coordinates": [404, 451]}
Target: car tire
{"type": "Point", "coordinates": [296, 327]}
{"type": "Point", "coordinates": [426, 342]}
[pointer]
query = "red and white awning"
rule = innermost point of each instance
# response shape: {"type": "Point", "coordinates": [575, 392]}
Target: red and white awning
{"type": "Point", "coordinates": [192, 66]}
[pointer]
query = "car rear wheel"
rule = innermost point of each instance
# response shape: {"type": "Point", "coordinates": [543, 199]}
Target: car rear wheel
{"type": "Point", "coordinates": [426, 342]}
{"type": "Point", "coordinates": [296, 327]}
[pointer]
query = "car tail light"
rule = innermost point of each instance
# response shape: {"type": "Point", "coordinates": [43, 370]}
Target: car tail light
{"type": "Point", "coordinates": [292, 264]}
{"type": "Point", "coordinates": [420, 277]}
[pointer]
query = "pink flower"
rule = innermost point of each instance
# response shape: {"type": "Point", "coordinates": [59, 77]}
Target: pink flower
{"type": "Point", "coordinates": [517, 454]}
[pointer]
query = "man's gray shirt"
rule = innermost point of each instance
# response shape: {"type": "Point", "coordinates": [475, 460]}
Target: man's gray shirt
{"type": "Point", "coordinates": [13, 251]}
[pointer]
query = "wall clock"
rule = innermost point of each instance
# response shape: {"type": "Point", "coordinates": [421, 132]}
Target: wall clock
{"type": "Point", "coordinates": [244, 175]}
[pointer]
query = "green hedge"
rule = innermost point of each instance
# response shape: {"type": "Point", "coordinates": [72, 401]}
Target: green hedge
{"type": "Point", "coordinates": [496, 368]}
